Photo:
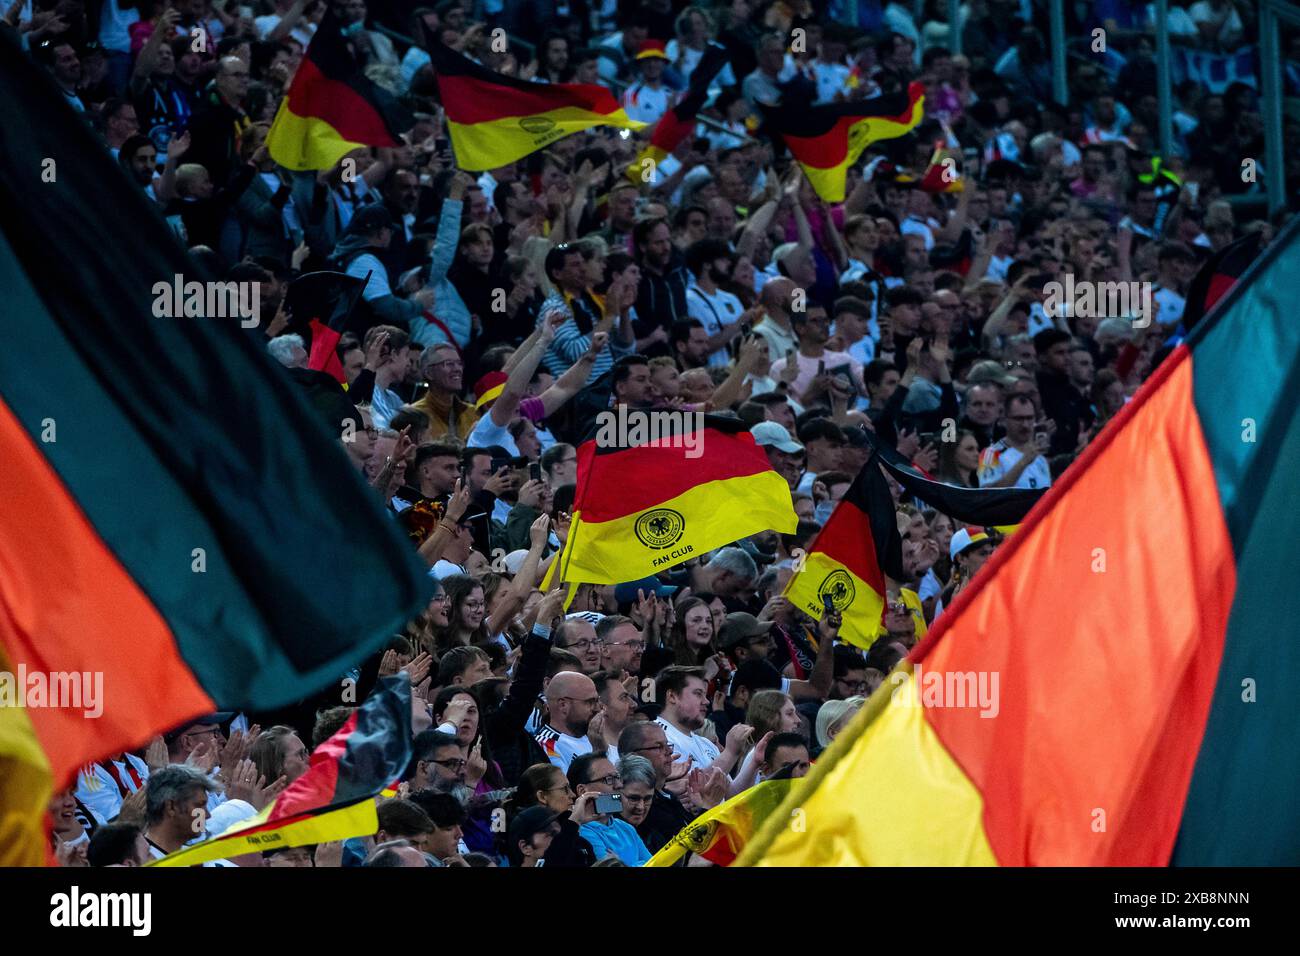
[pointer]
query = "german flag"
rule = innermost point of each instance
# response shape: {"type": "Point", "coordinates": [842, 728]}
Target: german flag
{"type": "Point", "coordinates": [720, 834]}
{"type": "Point", "coordinates": [162, 522]}
{"type": "Point", "coordinates": [850, 557]}
{"type": "Point", "coordinates": [320, 304]}
{"type": "Point", "coordinates": [1146, 695]}
{"type": "Point", "coordinates": [827, 140]}
{"type": "Point", "coordinates": [331, 108]}
{"type": "Point", "coordinates": [938, 177]}
{"type": "Point", "coordinates": [494, 119]}
{"type": "Point", "coordinates": [1212, 282]}
{"type": "Point", "coordinates": [1000, 508]}
{"type": "Point", "coordinates": [675, 125]}
{"type": "Point", "coordinates": [334, 799]}
{"type": "Point", "coordinates": [659, 488]}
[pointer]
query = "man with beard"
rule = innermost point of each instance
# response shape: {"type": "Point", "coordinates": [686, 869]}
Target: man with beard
{"type": "Point", "coordinates": [571, 701]}
{"type": "Point", "coordinates": [438, 764]}
{"type": "Point", "coordinates": [138, 157]}
{"type": "Point", "coordinates": [683, 692]}
{"type": "Point", "coordinates": [720, 312]}
{"type": "Point", "coordinates": [661, 295]}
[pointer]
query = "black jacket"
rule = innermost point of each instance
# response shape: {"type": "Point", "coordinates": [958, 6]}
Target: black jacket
{"type": "Point", "coordinates": [667, 818]}
{"type": "Point", "coordinates": [569, 848]}
{"type": "Point", "coordinates": [513, 748]}
{"type": "Point", "coordinates": [661, 300]}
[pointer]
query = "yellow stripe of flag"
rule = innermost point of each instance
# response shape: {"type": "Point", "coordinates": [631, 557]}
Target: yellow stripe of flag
{"type": "Point", "coordinates": [893, 747]}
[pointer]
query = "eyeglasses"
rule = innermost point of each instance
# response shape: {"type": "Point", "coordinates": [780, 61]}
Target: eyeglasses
{"type": "Point", "coordinates": [639, 801]}
{"type": "Point", "coordinates": [563, 786]}
{"type": "Point", "coordinates": [454, 363]}
{"type": "Point", "coordinates": [589, 701]}
{"type": "Point", "coordinates": [665, 746]}
{"type": "Point", "coordinates": [633, 645]}
{"type": "Point", "coordinates": [609, 780]}
{"type": "Point", "coordinates": [583, 644]}
{"type": "Point", "coordinates": [472, 605]}
{"type": "Point", "coordinates": [451, 763]}
{"type": "Point", "coordinates": [439, 599]}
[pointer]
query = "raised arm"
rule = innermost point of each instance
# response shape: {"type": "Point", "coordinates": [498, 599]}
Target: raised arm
{"type": "Point", "coordinates": [448, 238]}
{"type": "Point", "coordinates": [575, 377]}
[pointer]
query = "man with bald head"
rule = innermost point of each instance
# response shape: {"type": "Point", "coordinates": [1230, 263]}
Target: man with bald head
{"type": "Point", "coordinates": [776, 302]}
{"type": "Point", "coordinates": [571, 702]}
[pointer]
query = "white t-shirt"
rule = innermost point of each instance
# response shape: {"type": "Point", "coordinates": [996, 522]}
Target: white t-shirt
{"type": "Point", "coordinates": [98, 792]}
{"type": "Point", "coordinates": [486, 432]}
{"type": "Point", "coordinates": [808, 368]}
{"type": "Point", "coordinates": [647, 103]}
{"type": "Point", "coordinates": [999, 458]}
{"type": "Point", "coordinates": [690, 745]}
{"type": "Point", "coordinates": [832, 78]}
{"type": "Point", "coordinates": [560, 747]}
{"type": "Point", "coordinates": [713, 312]}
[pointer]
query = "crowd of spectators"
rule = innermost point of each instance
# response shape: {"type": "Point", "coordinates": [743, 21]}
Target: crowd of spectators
{"type": "Point", "coordinates": [503, 309]}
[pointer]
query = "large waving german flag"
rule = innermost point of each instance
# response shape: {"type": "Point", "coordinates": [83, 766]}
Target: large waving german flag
{"type": "Point", "coordinates": [659, 488]}
{"type": "Point", "coordinates": [175, 518]}
{"type": "Point", "coordinates": [676, 124]}
{"type": "Point", "coordinates": [849, 558]}
{"type": "Point", "coordinates": [1140, 628]}
{"type": "Point", "coordinates": [331, 108]}
{"type": "Point", "coordinates": [827, 140]}
{"type": "Point", "coordinates": [494, 119]}
{"type": "Point", "coordinates": [333, 800]}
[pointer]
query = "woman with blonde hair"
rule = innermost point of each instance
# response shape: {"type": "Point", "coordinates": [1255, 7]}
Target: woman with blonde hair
{"type": "Point", "coordinates": [535, 250]}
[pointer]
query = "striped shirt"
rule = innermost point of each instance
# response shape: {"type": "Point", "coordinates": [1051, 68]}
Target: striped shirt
{"type": "Point", "coordinates": [571, 343]}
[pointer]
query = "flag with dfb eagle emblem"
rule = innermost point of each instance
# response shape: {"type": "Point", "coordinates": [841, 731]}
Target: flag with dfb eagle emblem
{"type": "Point", "coordinates": [848, 560]}
{"type": "Point", "coordinates": [659, 488]}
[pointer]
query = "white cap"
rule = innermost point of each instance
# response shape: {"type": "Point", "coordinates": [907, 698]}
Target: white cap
{"type": "Point", "coordinates": [774, 434]}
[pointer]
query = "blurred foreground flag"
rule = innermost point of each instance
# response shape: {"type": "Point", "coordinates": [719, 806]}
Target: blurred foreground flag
{"type": "Point", "coordinates": [178, 528]}
{"type": "Point", "coordinates": [1119, 686]}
